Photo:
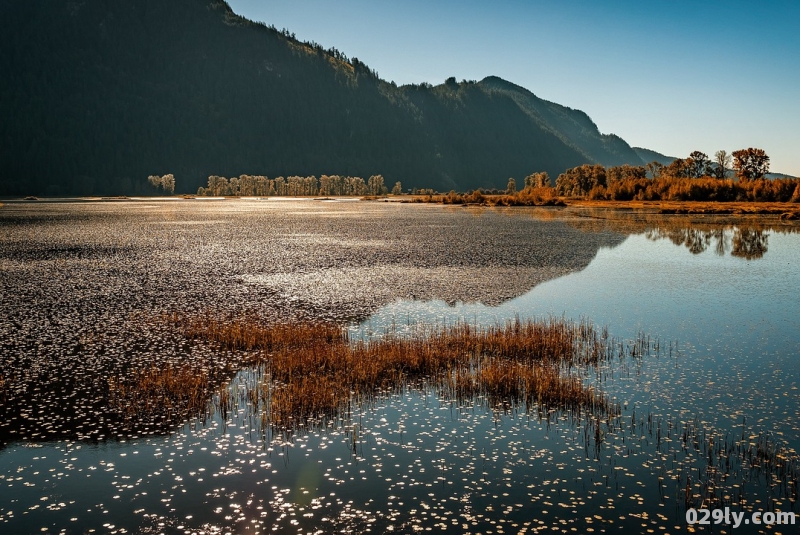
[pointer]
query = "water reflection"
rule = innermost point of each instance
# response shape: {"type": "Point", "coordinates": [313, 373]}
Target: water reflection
{"type": "Point", "coordinates": [742, 236]}
{"type": "Point", "coordinates": [744, 242]}
{"type": "Point", "coordinates": [749, 243]}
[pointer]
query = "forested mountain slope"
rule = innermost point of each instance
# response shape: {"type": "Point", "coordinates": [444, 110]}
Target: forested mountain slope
{"type": "Point", "coordinates": [97, 95]}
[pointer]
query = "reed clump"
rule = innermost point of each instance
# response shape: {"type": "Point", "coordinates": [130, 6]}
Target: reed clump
{"type": "Point", "coordinates": [170, 390]}
{"type": "Point", "coordinates": [315, 371]}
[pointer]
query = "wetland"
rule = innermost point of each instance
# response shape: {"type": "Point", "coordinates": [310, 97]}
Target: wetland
{"type": "Point", "coordinates": [256, 365]}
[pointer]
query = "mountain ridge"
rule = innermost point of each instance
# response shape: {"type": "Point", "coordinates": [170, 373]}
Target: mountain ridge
{"type": "Point", "coordinates": [101, 95]}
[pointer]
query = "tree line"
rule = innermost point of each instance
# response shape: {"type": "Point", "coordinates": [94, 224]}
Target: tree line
{"type": "Point", "coordinates": [165, 182]}
{"type": "Point", "coordinates": [295, 186]}
{"type": "Point", "coordinates": [696, 178]}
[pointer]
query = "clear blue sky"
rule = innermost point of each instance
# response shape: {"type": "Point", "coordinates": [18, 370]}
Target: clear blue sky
{"type": "Point", "coordinates": [673, 76]}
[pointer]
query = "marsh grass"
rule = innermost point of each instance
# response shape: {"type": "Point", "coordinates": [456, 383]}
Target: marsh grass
{"type": "Point", "coordinates": [315, 372]}
{"type": "Point", "coordinates": [170, 390]}
{"type": "Point", "coordinates": [308, 375]}
{"type": "Point", "coordinates": [728, 463]}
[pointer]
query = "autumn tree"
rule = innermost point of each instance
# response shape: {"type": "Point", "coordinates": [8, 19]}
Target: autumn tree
{"type": "Point", "coordinates": [166, 182]}
{"type": "Point", "coordinates": [750, 164]}
{"type": "Point", "coordinates": [624, 172]}
{"type": "Point", "coordinates": [216, 185]}
{"type": "Point", "coordinates": [397, 189]}
{"type": "Point", "coordinates": [679, 168]}
{"type": "Point", "coordinates": [579, 181]}
{"type": "Point", "coordinates": [355, 185]}
{"type": "Point", "coordinates": [538, 180]}
{"type": "Point", "coordinates": [247, 185]}
{"type": "Point", "coordinates": [262, 186]}
{"type": "Point", "coordinates": [233, 187]}
{"type": "Point", "coordinates": [698, 164]}
{"type": "Point", "coordinates": [375, 185]}
{"type": "Point", "coordinates": [280, 186]}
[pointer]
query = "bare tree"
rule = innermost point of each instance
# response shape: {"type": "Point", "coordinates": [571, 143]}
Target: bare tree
{"type": "Point", "coordinates": [654, 169]}
{"type": "Point", "coordinates": [512, 186]}
{"type": "Point", "coordinates": [723, 161]}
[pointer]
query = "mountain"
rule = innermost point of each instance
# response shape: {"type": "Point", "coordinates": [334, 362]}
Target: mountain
{"type": "Point", "coordinates": [97, 95]}
{"type": "Point", "coordinates": [648, 156]}
{"type": "Point", "coordinates": [573, 127]}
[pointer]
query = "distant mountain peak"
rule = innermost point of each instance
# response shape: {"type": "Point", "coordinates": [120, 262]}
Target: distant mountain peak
{"type": "Point", "coordinates": [648, 156]}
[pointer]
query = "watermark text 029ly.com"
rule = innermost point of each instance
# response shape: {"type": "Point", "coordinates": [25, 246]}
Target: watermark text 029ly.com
{"type": "Point", "coordinates": [732, 518]}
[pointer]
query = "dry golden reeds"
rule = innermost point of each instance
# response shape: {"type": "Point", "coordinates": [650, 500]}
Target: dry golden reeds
{"type": "Point", "coordinates": [144, 393]}
{"type": "Point", "coordinates": [315, 371]}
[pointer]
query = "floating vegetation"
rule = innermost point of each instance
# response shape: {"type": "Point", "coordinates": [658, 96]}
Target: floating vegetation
{"type": "Point", "coordinates": [124, 407]}
{"type": "Point", "coordinates": [728, 463]}
{"type": "Point", "coordinates": [84, 284]}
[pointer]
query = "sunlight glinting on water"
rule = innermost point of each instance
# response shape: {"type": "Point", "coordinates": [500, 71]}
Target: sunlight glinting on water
{"type": "Point", "coordinates": [704, 377]}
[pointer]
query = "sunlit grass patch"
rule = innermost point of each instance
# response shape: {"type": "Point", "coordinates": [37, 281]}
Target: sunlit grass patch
{"type": "Point", "coordinates": [173, 390]}
{"type": "Point", "coordinates": [315, 371]}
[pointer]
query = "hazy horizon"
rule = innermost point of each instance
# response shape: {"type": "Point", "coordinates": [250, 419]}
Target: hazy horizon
{"type": "Point", "coordinates": [672, 78]}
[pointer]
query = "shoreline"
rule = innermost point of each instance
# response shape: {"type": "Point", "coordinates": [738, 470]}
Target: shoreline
{"type": "Point", "coordinates": [696, 207]}
{"type": "Point", "coordinates": [788, 211]}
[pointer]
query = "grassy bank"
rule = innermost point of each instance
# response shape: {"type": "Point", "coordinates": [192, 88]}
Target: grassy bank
{"type": "Point", "coordinates": [791, 210]}
{"type": "Point", "coordinates": [788, 211]}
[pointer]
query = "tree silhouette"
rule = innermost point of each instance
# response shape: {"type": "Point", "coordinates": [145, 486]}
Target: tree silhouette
{"type": "Point", "coordinates": [723, 161]}
{"type": "Point", "coordinates": [698, 164]}
{"type": "Point", "coordinates": [750, 164]}
{"type": "Point", "coordinates": [512, 186]}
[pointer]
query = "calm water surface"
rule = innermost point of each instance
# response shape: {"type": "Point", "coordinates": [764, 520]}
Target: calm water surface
{"type": "Point", "coordinates": [722, 366]}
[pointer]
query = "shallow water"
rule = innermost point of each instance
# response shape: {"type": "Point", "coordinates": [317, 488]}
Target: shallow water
{"type": "Point", "coordinates": [77, 278]}
{"type": "Point", "coordinates": [733, 322]}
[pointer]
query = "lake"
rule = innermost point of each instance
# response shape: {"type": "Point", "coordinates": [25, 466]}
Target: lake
{"type": "Point", "coordinates": [703, 309]}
